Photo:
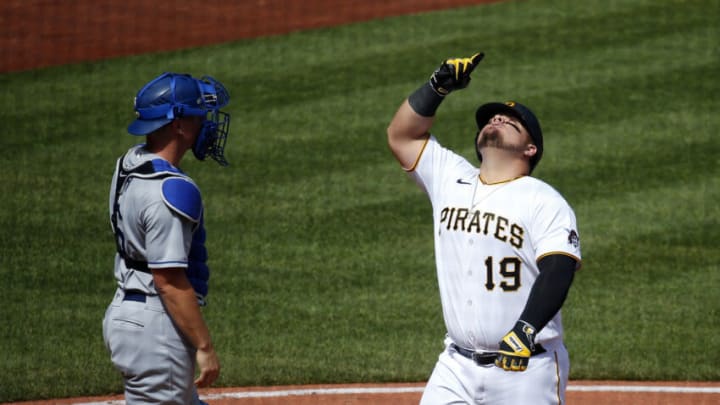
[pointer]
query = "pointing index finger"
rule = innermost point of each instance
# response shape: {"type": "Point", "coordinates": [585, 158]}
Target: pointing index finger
{"type": "Point", "coordinates": [475, 60]}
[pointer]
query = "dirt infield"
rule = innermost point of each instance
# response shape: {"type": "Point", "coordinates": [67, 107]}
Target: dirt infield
{"type": "Point", "coordinates": [579, 392]}
{"type": "Point", "coordinates": [40, 33]}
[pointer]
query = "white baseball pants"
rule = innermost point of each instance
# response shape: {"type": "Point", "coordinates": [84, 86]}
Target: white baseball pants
{"type": "Point", "coordinates": [459, 380]}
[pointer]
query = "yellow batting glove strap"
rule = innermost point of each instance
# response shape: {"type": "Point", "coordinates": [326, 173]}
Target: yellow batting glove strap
{"type": "Point", "coordinates": [513, 355]}
{"type": "Point", "coordinates": [465, 62]}
{"type": "Point", "coordinates": [517, 346]}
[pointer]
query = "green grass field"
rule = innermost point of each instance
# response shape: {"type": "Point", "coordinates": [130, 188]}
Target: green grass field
{"type": "Point", "coordinates": [321, 248]}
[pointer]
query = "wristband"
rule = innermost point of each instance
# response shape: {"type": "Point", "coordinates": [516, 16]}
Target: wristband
{"type": "Point", "coordinates": [425, 101]}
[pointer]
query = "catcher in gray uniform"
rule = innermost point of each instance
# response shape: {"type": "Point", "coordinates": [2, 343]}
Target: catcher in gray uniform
{"type": "Point", "coordinates": [153, 328]}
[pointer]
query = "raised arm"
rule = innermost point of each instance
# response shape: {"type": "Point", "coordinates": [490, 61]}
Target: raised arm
{"type": "Point", "coordinates": [407, 134]}
{"type": "Point", "coordinates": [409, 129]}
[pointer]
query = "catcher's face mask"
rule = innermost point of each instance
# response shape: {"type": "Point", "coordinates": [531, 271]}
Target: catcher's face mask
{"type": "Point", "coordinates": [173, 95]}
{"type": "Point", "coordinates": [214, 132]}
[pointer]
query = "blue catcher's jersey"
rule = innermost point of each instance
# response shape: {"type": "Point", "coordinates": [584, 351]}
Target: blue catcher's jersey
{"type": "Point", "coordinates": [156, 213]}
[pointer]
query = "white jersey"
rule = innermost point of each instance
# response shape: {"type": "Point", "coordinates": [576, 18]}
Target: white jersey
{"type": "Point", "coordinates": [488, 239]}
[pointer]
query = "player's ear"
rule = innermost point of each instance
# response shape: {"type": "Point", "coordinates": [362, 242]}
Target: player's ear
{"type": "Point", "coordinates": [183, 126]}
{"type": "Point", "coordinates": [530, 150]}
{"type": "Point", "coordinates": [176, 124]}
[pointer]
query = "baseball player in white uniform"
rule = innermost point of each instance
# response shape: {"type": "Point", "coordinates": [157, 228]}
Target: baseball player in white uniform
{"type": "Point", "coordinates": [154, 328]}
{"type": "Point", "coordinates": [506, 249]}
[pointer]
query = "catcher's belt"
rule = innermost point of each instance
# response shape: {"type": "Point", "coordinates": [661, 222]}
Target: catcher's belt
{"type": "Point", "coordinates": [135, 295]}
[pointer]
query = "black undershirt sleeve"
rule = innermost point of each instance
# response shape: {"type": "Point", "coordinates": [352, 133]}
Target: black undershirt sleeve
{"type": "Point", "coordinates": [550, 289]}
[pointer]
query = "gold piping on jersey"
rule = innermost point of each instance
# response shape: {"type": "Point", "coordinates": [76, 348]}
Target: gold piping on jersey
{"type": "Point", "coordinates": [412, 168]}
{"type": "Point", "coordinates": [498, 182]}
{"type": "Point", "coordinates": [578, 262]}
{"type": "Point", "coordinates": [557, 374]}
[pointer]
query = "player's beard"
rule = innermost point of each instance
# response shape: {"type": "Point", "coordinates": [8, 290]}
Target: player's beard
{"type": "Point", "coordinates": [492, 137]}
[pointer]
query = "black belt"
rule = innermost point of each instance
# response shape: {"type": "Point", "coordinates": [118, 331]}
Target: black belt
{"type": "Point", "coordinates": [135, 295]}
{"type": "Point", "coordinates": [481, 359]}
{"type": "Point", "coordinates": [486, 358]}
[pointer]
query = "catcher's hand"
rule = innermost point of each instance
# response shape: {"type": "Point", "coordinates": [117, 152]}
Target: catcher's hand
{"type": "Point", "coordinates": [454, 74]}
{"type": "Point", "coordinates": [516, 347]}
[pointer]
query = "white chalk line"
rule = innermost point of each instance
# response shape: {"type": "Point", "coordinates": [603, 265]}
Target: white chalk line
{"type": "Point", "coordinates": [315, 391]}
{"type": "Point", "coordinates": [644, 388]}
{"type": "Point", "coordinates": [400, 390]}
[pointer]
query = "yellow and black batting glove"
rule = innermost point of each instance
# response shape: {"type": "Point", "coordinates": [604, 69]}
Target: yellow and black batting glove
{"type": "Point", "coordinates": [454, 74]}
{"type": "Point", "coordinates": [516, 347]}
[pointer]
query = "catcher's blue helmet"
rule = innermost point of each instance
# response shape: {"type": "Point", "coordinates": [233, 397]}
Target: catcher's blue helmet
{"type": "Point", "coordinates": [174, 95]}
{"type": "Point", "coordinates": [521, 112]}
